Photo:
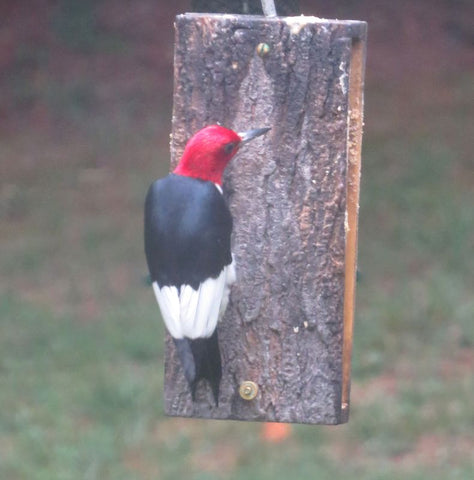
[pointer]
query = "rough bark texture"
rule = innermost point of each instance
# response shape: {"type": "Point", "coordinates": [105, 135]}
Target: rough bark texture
{"type": "Point", "coordinates": [287, 192]}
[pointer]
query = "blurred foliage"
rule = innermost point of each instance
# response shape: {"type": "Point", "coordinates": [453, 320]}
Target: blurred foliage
{"type": "Point", "coordinates": [77, 27]}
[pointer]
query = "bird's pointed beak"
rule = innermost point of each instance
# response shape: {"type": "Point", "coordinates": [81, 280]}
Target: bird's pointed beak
{"type": "Point", "coordinates": [251, 134]}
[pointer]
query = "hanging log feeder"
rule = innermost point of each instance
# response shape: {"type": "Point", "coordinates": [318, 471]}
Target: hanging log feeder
{"type": "Point", "coordinates": [286, 338]}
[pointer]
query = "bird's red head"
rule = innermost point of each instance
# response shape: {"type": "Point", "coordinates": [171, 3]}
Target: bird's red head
{"type": "Point", "coordinates": [209, 151]}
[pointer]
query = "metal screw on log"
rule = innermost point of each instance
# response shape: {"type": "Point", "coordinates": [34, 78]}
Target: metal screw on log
{"type": "Point", "coordinates": [248, 390]}
{"type": "Point", "coordinates": [268, 7]}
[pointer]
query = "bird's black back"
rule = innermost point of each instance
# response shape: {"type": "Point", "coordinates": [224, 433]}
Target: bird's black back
{"type": "Point", "coordinates": [187, 231]}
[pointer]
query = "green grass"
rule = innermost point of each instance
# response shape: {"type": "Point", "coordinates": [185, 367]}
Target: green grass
{"type": "Point", "coordinates": [73, 392]}
{"type": "Point", "coordinates": [81, 349]}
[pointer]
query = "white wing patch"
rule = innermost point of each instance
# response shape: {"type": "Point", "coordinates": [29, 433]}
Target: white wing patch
{"type": "Point", "coordinates": [194, 313]}
{"type": "Point", "coordinates": [230, 279]}
{"type": "Point", "coordinates": [168, 300]}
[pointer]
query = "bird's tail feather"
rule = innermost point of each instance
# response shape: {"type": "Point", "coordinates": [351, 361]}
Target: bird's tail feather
{"type": "Point", "coordinates": [201, 358]}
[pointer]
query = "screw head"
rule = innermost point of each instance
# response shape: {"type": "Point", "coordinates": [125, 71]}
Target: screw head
{"type": "Point", "coordinates": [248, 390]}
{"type": "Point", "coordinates": [263, 49]}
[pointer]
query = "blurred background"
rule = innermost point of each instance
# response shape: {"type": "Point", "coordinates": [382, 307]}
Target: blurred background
{"type": "Point", "coordinates": [85, 117]}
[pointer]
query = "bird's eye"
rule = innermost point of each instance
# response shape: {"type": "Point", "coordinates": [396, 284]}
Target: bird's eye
{"type": "Point", "coordinates": [228, 148]}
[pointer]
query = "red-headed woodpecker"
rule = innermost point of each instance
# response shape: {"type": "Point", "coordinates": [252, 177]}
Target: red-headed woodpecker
{"type": "Point", "coordinates": [188, 249]}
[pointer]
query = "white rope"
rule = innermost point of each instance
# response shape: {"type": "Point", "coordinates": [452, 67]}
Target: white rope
{"type": "Point", "coordinates": [268, 7]}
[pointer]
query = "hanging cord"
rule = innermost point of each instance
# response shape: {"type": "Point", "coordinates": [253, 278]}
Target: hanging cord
{"type": "Point", "coordinates": [285, 8]}
{"type": "Point", "coordinates": [268, 7]}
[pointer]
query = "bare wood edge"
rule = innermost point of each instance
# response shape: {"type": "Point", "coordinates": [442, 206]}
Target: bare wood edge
{"type": "Point", "coordinates": [354, 150]}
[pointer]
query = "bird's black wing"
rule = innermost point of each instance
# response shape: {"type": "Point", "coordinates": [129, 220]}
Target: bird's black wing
{"type": "Point", "coordinates": [187, 231]}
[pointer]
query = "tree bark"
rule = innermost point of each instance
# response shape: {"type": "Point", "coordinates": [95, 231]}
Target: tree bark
{"type": "Point", "coordinates": [288, 191]}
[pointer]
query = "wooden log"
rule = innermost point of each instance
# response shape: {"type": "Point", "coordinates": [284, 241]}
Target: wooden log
{"type": "Point", "coordinates": [294, 197]}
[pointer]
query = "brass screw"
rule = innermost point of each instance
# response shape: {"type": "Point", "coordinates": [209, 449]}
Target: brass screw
{"type": "Point", "coordinates": [248, 390]}
{"type": "Point", "coordinates": [263, 49]}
